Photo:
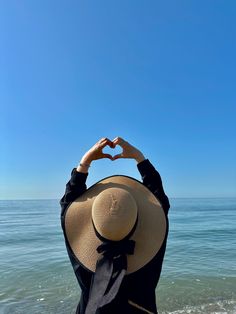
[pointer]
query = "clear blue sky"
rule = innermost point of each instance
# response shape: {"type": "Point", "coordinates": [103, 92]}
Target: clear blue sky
{"type": "Point", "coordinates": [160, 74]}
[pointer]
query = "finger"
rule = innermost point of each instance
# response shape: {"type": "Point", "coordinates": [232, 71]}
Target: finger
{"type": "Point", "coordinates": [102, 140]}
{"type": "Point", "coordinates": [107, 156]}
{"type": "Point", "coordinates": [105, 143]}
{"type": "Point", "coordinates": [105, 140]}
{"type": "Point", "coordinates": [118, 138]}
{"type": "Point", "coordinates": [109, 142]}
{"type": "Point", "coordinates": [119, 141]}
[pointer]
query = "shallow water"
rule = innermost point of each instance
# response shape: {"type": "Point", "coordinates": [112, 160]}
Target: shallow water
{"type": "Point", "coordinates": [199, 271]}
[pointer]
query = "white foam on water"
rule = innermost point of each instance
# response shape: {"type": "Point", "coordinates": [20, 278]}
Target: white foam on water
{"type": "Point", "coordinates": [41, 299]}
{"type": "Point", "coordinates": [220, 307]}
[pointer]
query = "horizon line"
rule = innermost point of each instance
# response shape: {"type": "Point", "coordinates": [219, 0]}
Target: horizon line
{"type": "Point", "coordinates": [58, 199]}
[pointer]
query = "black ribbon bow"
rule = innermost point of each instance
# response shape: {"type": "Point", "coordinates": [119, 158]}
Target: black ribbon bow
{"type": "Point", "coordinates": [110, 271]}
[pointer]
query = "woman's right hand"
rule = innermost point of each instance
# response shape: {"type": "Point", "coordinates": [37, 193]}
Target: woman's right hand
{"type": "Point", "coordinates": [129, 151]}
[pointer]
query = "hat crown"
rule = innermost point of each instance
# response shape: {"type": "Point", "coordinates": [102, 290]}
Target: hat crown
{"type": "Point", "coordinates": [149, 234]}
{"type": "Point", "coordinates": [114, 213]}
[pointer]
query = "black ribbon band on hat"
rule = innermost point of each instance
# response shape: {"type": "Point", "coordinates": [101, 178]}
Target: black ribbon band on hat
{"type": "Point", "coordinates": [110, 270]}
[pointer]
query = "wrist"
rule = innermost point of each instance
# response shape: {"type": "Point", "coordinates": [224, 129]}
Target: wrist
{"type": "Point", "coordinates": [84, 165]}
{"type": "Point", "coordinates": [86, 160]}
{"type": "Point", "coordinates": [140, 158]}
{"type": "Point", "coordinates": [83, 168]}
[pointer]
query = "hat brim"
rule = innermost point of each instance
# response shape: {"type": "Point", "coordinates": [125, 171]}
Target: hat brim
{"type": "Point", "coordinates": [149, 234]}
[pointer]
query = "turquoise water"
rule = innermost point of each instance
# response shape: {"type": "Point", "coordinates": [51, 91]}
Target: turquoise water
{"type": "Point", "coordinates": [199, 271]}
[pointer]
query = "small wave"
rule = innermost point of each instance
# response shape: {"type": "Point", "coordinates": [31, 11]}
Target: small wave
{"type": "Point", "coordinates": [219, 307]}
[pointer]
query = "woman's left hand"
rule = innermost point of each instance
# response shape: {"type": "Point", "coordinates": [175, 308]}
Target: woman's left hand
{"type": "Point", "coordinates": [96, 152]}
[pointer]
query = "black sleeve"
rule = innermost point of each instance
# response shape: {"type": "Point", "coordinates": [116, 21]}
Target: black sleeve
{"type": "Point", "coordinates": [74, 188]}
{"type": "Point", "coordinates": [152, 180]}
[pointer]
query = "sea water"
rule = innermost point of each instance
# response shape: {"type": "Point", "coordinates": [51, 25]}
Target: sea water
{"type": "Point", "coordinates": [198, 275]}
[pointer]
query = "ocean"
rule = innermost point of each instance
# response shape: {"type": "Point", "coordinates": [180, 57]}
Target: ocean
{"type": "Point", "coordinates": [198, 275]}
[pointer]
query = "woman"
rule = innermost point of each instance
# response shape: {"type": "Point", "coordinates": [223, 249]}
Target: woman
{"type": "Point", "coordinates": [136, 289]}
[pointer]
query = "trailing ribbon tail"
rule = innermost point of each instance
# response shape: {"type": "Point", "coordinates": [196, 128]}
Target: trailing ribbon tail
{"type": "Point", "coordinates": [105, 286]}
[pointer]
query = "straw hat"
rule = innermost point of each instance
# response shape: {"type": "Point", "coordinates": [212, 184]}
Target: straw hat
{"type": "Point", "coordinates": [112, 209]}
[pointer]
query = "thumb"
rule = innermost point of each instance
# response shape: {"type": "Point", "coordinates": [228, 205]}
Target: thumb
{"type": "Point", "coordinates": [118, 156]}
{"type": "Point", "coordinates": [107, 156]}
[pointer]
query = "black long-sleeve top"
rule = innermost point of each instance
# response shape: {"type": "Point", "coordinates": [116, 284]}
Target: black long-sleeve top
{"type": "Point", "coordinates": [137, 291]}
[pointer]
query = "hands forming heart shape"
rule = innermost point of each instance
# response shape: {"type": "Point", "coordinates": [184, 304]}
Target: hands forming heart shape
{"type": "Point", "coordinates": [96, 152]}
{"type": "Point", "coordinates": [118, 141]}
